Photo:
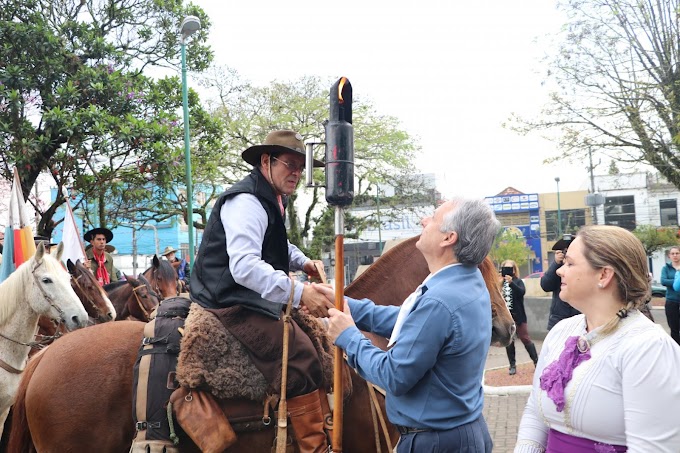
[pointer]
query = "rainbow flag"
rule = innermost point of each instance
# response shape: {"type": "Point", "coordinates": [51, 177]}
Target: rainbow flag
{"type": "Point", "coordinates": [19, 246]}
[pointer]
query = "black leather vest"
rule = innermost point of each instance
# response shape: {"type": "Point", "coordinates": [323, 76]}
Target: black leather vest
{"type": "Point", "coordinates": [212, 285]}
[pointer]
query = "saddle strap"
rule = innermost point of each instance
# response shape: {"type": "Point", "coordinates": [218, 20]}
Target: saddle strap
{"type": "Point", "coordinates": [322, 273]}
{"type": "Point", "coordinates": [282, 425]}
{"type": "Point", "coordinates": [375, 409]}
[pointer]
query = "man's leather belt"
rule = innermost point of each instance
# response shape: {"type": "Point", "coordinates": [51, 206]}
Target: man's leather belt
{"type": "Point", "coordinates": [407, 430]}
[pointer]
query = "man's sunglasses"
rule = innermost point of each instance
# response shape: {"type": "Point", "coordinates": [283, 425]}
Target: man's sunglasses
{"type": "Point", "coordinates": [290, 166]}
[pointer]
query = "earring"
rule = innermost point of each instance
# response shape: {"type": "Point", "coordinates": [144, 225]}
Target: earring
{"type": "Point", "coordinates": [599, 285]}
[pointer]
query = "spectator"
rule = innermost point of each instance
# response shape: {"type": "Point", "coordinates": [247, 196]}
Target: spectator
{"type": "Point", "coordinates": [180, 267]}
{"type": "Point", "coordinates": [607, 377]}
{"type": "Point", "coordinates": [513, 291]}
{"type": "Point", "coordinates": [668, 273]}
{"type": "Point", "coordinates": [550, 281]}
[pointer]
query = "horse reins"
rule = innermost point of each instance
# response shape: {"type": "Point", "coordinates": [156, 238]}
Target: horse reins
{"type": "Point", "coordinates": [282, 425]}
{"type": "Point", "coordinates": [139, 302]}
{"type": "Point", "coordinates": [87, 296]}
{"type": "Point", "coordinates": [45, 338]}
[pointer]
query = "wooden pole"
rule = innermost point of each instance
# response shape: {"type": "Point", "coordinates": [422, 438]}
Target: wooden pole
{"type": "Point", "coordinates": [339, 304]}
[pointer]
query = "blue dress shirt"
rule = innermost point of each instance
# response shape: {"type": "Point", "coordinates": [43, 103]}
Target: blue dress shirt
{"type": "Point", "coordinates": [433, 373]}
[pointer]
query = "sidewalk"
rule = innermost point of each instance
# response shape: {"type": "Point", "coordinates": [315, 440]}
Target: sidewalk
{"type": "Point", "coordinates": [503, 406]}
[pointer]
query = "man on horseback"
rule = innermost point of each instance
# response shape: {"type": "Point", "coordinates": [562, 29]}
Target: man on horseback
{"type": "Point", "coordinates": [242, 270]}
{"type": "Point", "coordinates": [98, 259]}
{"type": "Point", "coordinates": [440, 336]}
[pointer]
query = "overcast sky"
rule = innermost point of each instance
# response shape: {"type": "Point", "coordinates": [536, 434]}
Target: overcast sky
{"type": "Point", "coordinates": [452, 72]}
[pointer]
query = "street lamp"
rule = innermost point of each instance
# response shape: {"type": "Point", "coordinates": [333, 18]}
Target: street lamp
{"type": "Point", "coordinates": [190, 25]}
{"type": "Point", "coordinates": [559, 211]}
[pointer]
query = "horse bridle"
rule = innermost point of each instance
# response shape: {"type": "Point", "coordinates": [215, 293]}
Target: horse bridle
{"type": "Point", "coordinates": [87, 297]}
{"type": "Point", "coordinates": [46, 339]}
{"type": "Point", "coordinates": [139, 301]}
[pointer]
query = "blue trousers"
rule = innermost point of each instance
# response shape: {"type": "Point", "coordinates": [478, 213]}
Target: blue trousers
{"type": "Point", "coordinates": [472, 437]}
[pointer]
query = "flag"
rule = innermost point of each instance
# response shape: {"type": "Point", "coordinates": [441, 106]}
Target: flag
{"type": "Point", "coordinates": [73, 246]}
{"type": "Point", "coordinates": [19, 245]}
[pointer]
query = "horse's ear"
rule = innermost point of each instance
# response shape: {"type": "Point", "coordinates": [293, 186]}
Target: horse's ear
{"type": "Point", "coordinates": [40, 251]}
{"type": "Point", "coordinates": [133, 281]}
{"type": "Point", "coordinates": [156, 261]}
{"type": "Point", "coordinates": [70, 266]}
{"type": "Point", "coordinates": [60, 250]}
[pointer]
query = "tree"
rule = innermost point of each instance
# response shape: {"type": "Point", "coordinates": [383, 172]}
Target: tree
{"type": "Point", "coordinates": [617, 84]}
{"type": "Point", "coordinates": [510, 245]}
{"type": "Point", "coordinates": [383, 152]}
{"type": "Point", "coordinates": [76, 101]}
{"type": "Point", "coordinates": [655, 238]}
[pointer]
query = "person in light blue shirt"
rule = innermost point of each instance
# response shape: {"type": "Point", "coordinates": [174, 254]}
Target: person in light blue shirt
{"type": "Point", "coordinates": [440, 336]}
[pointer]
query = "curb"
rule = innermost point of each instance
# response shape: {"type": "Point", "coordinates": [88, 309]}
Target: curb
{"type": "Point", "coordinates": [506, 389]}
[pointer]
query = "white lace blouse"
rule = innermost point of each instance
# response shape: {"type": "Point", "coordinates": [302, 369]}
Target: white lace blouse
{"type": "Point", "coordinates": [627, 393]}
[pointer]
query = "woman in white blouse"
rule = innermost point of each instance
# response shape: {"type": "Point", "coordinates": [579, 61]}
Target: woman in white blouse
{"type": "Point", "coordinates": [607, 380]}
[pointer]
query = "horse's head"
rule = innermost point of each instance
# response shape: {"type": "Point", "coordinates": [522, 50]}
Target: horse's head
{"type": "Point", "coordinates": [502, 325]}
{"type": "Point", "coordinates": [91, 294]}
{"type": "Point", "coordinates": [48, 289]}
{"type": "Point", "coordinates": [145, 299]}
{"type": "Point", "coordinates": [162, 277]}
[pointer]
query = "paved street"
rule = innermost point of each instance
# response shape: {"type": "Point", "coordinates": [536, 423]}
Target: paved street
{"type": "Point", "coordinates": [503, 406]}
{"type": "Point", "coordinates": [502, 414]}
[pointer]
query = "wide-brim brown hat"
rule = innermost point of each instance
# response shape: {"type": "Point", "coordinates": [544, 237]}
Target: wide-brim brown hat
{"type": "Point", "coordinates": [108, 234]}
{"type": "Point", "coordinates": [277, 142]}
{"type": "Point", "coordinates": [108, 248]}
{"type": "Point", "coordinates": [168, 250]}
{"type": "Point", "coordinates": [563, 243]}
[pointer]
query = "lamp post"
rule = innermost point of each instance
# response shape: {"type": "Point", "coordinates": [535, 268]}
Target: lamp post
{"type": "Point", "coordinates": [377, 204]}
{"type": "Point", "coordinates": [559, 211]}
{"type": "Point", "coordinates": [190, 25]}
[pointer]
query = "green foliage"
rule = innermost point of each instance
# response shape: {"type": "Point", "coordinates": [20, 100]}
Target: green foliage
{"type": "Point", "coordinates": [655, 238]}
{"type": "Point", "coordinates": [76, 101]}
{"type": "Point", "coordinates": [383, 152]}
{"type": "Point", "coordinates": [510, 244]}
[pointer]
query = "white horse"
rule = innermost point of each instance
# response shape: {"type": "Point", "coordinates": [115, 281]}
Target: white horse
{"type": "Point", "coordinates": [40, 286]}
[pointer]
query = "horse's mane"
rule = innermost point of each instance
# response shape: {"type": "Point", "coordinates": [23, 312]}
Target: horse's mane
{"type": "Point", "coordinates": [165, 271]}
{"type": "Point", "coordinates": [115, 285]}
{"type": "Point", "coordinates": [381, 269]}
{"type": "Point", "coordinates": [13, 289]}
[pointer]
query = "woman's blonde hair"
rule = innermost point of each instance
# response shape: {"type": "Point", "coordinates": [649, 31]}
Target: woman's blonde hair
{"type": "Point", "coordinates": [614, 247]}
{"type": "Point", "coordinates": [515, 268]}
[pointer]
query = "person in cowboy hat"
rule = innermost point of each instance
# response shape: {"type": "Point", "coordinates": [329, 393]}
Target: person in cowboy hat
{"type": "Point", "coordinates": [46, 241]}
{"type": "Point", "coordinates": [550, 281]}
{"type": "Point", "coordinates": [244, 260]}
{"type": "Point", "coordinates": [180, 267]}
{"type": "Point", "coordinates": [98, 259]}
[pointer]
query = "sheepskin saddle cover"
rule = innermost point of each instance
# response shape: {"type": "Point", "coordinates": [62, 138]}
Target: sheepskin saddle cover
{"type": "Point", "coordinates": [212, 359]}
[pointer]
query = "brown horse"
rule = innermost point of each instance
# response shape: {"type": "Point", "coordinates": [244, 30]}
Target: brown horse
{"type": "Point", "coordinates": [95, 301]}
{"type": "Point", "coordinates": [133, 298]}
{"type": "Point", "coordinates": [402, 268]}
{"type": "Point", "coordinates": [97, 304]}
{"type": "Point", "coordinates": [163, 278]}
{"type": "Point", "coordinates": [50, 417]}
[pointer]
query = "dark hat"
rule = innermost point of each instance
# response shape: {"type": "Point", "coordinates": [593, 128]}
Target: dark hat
{"type": "Point", "coordinates": [563, 243]}
{"type": "Point", "coordinates": [277, 142]}
{"type": "Point", "coordinates": [168, 250]}
{"type": "Point", "coordinates": [45, 239]}
{"type": "Point", "coordinates": [101, 230]}
{"type": "Point", "coordinates": [108, 248]}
